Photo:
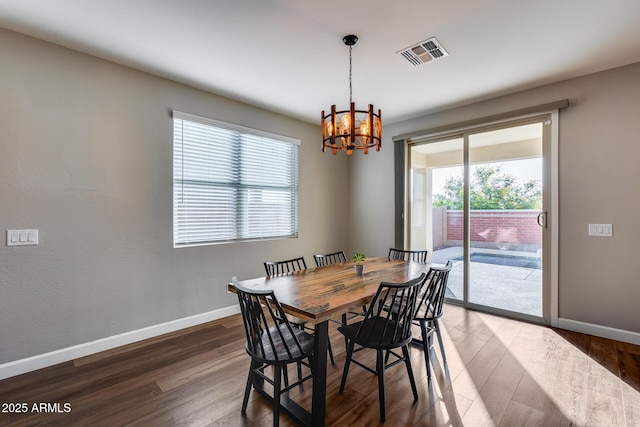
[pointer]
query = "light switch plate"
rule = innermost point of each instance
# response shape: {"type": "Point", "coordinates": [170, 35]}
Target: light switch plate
{"type": "Point", "coordinates": [22, 237]}
{"type": "Point", "coordinates": [601, 230]}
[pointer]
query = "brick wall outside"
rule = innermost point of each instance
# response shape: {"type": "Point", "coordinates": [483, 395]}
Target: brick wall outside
{"type": "Point", "coordinates": [518, 227]}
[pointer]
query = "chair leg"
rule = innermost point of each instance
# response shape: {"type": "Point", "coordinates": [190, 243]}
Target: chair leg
{"type": "Point", "coordinates": [347, 362]}
{"type": "Point", "coordinates": [302, 328]}
{"type": "Point", "coordinates": [380, 371]}
{"type": "Point", "coordinates": [276, 395]}
{"type": "Point", "coordinates": [412, 380]}
{"type": "Point", "coordinates": [344, 322]}
{"type": "Point", "coordinates": [425, 348]}
{"type": "Point", "coordinates": [285, 376]}
{"type": "Point", "coordinates": [247, 389]}
{"type": "Point", "coordinates": [333, 362]}
{"type": "Point", "coordinates": [444, 357]}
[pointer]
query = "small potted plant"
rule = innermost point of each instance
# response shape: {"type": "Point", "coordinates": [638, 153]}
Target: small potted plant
{"type": "Point", "coordinates": [358, 259]}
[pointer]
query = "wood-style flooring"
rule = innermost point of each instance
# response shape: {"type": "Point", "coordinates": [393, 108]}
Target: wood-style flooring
{"type": "Point", "coordinates": [502, 373]}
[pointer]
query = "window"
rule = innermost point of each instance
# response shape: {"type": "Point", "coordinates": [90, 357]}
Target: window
{"type": "Point", "coordinates": [232, 183]}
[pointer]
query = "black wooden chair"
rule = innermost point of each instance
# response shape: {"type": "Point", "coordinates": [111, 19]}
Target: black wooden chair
{"type": "Point", "coordinates": [428, 312]}
{"type": "Point", "coordinates": [271, 341]}
{"type": "Point", "coordinates": [278, 268]}
{"type": "Point", "coordinates": [384, 331]}
{"type": "Point", "coordinates": [328, 259]}
{"type": "Point", "coordinates": [401, 254]}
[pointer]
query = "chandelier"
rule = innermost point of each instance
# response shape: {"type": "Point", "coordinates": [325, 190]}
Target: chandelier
{"type": "Point", "coordinates": [351, 129]}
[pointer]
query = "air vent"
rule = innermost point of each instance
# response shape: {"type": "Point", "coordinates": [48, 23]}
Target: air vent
{"type": "Point", "coordinates": [423, 52]}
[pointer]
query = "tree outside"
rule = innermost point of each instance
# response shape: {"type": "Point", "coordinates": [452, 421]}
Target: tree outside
{"type": "Point", "coordinates": [491, 188]}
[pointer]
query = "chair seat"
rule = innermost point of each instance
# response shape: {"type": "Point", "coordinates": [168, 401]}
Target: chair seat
{"type": "Point", "coordinates": [280, 349]}
{"type": "Point", "coordinates": [377, 332]}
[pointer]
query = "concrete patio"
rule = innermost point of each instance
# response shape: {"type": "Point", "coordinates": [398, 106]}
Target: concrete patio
{"type": "Point", "coordinates": [508, 287]}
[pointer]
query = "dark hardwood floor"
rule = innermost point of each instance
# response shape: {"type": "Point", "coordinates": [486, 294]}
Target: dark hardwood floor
{"type": "Point", "coordinates": [502, 372]}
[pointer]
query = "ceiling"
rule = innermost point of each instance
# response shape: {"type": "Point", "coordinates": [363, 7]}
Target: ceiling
{"type": "Point", "coordinates": [288, 55]}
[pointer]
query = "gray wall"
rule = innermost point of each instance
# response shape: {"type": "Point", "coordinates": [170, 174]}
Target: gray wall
{"type": "Point", "coordinates": [599, 178]}
{"type": "Point", "coordinates": [86, 158]}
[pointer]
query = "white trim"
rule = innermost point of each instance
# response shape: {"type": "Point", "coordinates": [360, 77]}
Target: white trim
{"type": "Point", "coordinates": [600, 331]}
{"type": "Point", "coordinates": [39, 361]}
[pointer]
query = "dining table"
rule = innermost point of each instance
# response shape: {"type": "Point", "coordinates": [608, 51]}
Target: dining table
{"type": "Point", "coordinates": [319, 294]}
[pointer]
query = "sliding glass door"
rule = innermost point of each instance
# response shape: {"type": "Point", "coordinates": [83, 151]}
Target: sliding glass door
{"type": "Point", "coordinates": [505, 202]}
{"type": "Point", "coordinates": [478, 198]}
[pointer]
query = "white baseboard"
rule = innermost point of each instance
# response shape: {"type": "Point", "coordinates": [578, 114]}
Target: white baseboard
{"type": "Point", "coordinates": [39, 361]}
{"type": "Point", "coordinates": [600, 331]}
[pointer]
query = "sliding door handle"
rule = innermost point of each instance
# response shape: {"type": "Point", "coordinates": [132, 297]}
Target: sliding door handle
{"type": "Point", "coordinates": [542, 219]}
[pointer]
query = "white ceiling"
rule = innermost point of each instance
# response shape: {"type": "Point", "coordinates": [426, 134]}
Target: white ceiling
{"type": "Point", "coordinates": [288, 55]}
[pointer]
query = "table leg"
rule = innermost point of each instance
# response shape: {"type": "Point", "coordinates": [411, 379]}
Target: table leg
{"type": "Point", "coordinates": [318, 402]}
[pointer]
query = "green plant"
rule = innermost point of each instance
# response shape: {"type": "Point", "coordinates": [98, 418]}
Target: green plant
{"type": "Point", "coordinates": [358, 258]}
{"type": "Point", "coordinates": [490, 188]}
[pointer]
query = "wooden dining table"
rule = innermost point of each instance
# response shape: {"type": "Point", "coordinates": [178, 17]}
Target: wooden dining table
{"type": "Point", "coordinates": [323, 293]}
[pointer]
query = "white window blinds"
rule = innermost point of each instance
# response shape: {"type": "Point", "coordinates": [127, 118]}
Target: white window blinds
{"type": "Point", "coordinates": [232, 183]}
